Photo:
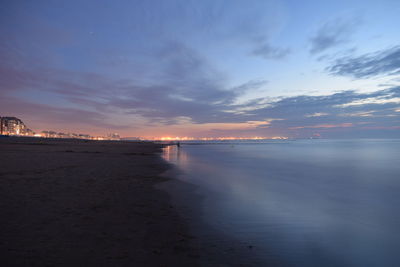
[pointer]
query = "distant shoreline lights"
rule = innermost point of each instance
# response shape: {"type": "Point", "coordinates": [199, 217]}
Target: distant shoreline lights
{"type": "Point", "coordinates": [177, 138]}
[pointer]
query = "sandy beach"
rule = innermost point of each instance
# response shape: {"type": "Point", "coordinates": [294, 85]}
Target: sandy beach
{"type": "Point", "coordinates": [88, 203]}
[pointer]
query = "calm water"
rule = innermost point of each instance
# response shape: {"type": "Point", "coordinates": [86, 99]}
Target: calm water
{"type": "Point", "coordinates": [301, 203]}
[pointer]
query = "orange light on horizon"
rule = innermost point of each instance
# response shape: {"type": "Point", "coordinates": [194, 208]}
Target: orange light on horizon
{"type": "Point", "coordinates": [185, 138]}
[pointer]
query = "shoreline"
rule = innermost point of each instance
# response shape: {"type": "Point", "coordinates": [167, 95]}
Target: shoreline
{"type": "Point", "coordinates": [215, 247]}
{"type": "Point", "coordinates": [88, 203]}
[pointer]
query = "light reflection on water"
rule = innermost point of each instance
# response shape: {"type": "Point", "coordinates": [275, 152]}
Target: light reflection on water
{"type": "Point", "coordinates": [305, 203]}
{"type": "Point", "coordinates": [172, 154]}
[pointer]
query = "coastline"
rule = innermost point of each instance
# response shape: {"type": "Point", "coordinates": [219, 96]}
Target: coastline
{"type": "Point", "coordinates": [215, 248]}
{"type": "Point", "coordinates": [88, 203]}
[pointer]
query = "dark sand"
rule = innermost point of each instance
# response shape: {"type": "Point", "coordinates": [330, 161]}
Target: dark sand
{"type": "Point", "coordinates": [93, 203]}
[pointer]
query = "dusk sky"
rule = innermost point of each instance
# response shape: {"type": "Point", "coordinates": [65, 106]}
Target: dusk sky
{"type": "Point", "coordinates": [203, 68]}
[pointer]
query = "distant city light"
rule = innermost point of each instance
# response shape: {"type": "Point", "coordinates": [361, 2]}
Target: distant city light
{"type": "Point", "coordinates": [14, 126]}
{"type": "Point", "coordinates": [185, 138]}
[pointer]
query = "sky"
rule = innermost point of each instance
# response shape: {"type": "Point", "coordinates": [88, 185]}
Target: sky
{"type": "Point", "coordinates": [209, 68]}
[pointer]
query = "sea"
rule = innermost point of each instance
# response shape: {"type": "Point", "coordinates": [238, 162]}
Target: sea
{"type": "Point", "coordinates": [295, 202]}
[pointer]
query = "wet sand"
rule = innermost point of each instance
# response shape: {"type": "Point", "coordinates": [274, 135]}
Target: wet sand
{"type": "Point", "coordinates": [88, 203]}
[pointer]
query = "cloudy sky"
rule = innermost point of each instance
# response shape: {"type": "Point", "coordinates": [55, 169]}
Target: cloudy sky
{"type": "Point", "coordinates": [203, 68]}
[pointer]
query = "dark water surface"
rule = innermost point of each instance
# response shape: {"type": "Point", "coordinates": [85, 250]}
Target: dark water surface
{"type": "Point", "coordinates": [301, 203]}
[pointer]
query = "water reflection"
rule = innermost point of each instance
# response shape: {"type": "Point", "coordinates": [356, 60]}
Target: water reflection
{"type": "Point", "coordinates": [326, 203]}
{"type": "Point", "coordinates": [175, 154]}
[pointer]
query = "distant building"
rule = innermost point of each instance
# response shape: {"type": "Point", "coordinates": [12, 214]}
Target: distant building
{"type": "Point", "coordinates": [53, 134]}
{"type": "Point", "coordinates": [113, 136]}
{"type": "Point", "coordinates": [13, 126]}
{"type": "Point", "coordinates": [84, 136]}
{"type": "Point", "coordinates": [29, 132]}
{"type": "Point", "coordinates": [49, 134]}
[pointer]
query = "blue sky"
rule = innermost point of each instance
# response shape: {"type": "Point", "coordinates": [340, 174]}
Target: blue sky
{"type": "Point", "coordinates": [203, 68]}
